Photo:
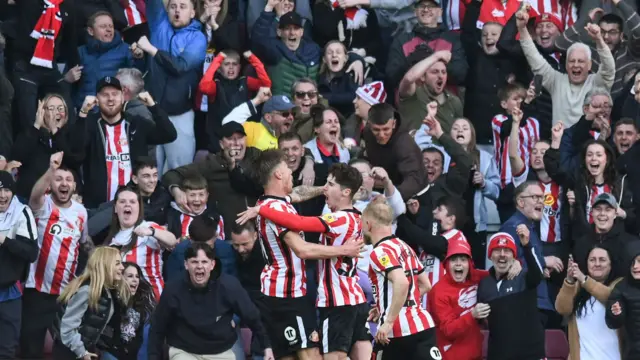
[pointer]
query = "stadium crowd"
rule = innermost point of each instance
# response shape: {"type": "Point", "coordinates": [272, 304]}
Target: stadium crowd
{"type": "Point", "coordinates": [307, 179]}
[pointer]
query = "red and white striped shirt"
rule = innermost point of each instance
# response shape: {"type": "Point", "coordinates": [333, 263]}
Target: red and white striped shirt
{"type": "Point", "coordinates": [147, 253]}
{"type": "Point", "coordinates": [134, 15]}
{"type": "Point", "coordinates": [433, 266]}
{"type": "Point", "coordinates": [529, 135]}
{"type": "Point", "coordinates": [338, 277]}
{"type": "Point", "coordinates": [595, 191]}
{"type": "Point", "coordinates": [495, 11]}
{"type": "Point", "coordinates": [550, 221]}
{"type": "Point", "coordinates": [284, 276]}
{"type": "Point", "coordinates": [60, 233]}
{"type": "Point", "coordinates": [453, 13]}
{"type": "Point", "coordinates": [117, 157]}
{"type": "Point", "coordinates": [389, 254]}
{"type": "Point", "coordinates": [185, 222]}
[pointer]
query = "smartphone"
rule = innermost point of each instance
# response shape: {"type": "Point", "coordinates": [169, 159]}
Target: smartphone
{"type": "Point", "coordinates": [537, 84]}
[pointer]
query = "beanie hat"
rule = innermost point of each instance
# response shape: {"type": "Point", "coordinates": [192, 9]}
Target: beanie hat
{"type": "Point", "coordinates": [7, 182]}
{"type": "Point", "coordinates": [549, 17]}
{"type": "Point", "coordinates": [458, 246]}
{"type": "Point", "coordinates": [372, 93]}
{"type": "Point", "coordinates": [356, 16]}
{"type": "Point", "coordinates": [502, 240]}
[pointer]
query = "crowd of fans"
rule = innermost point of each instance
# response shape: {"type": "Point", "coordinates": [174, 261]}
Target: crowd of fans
{"type": "Point", "coordinates": [322, 173]}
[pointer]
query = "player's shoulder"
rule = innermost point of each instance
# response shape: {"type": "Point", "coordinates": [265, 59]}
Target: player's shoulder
{"type": "Point", "coordinates": [279, 204]}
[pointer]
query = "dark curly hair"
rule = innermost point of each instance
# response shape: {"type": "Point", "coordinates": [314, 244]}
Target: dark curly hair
{"type": "Point", "coordinates": [144, 300]}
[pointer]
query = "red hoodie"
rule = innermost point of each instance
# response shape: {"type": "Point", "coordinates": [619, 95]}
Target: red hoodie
{"type": "Point", "coordinates": [450, 303]}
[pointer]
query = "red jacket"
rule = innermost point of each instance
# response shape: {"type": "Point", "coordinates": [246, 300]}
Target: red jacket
{"type": "Point", "coordinates": [450, 303]}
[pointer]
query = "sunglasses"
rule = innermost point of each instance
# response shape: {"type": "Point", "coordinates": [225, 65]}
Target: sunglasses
{"type": "Point", "coordinates": [285, 113]}
{"type": "Point", "coordinates": [303, 94]}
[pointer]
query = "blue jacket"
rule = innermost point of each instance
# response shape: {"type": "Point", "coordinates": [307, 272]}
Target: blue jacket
{"type": "Point", "coordinates": [100, 59]}
{"type": "Point", "coordinates": [544, 301]}
{"type": "Point", "coordinates": [175, 70]}
{"type": "Point", "coordinates": [174, 267]}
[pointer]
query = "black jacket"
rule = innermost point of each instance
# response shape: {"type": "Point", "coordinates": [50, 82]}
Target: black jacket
{"type": "Point", "coordinates": [6, 98]}
{"type": "Point", "coordinates": [487, 74]}
{"type": "Point", "coordinates": [515, 329]}
{"type": "Point", "coordinates": [89, 138]}
{"type": "Point", "coordinates": [627, 294]}
{"type": "Point", "coordinates": [33, 148]}
{"type": "Point", "coordinates": [20, 247]}
{"type": "Point", "coordinates": [198, 320]}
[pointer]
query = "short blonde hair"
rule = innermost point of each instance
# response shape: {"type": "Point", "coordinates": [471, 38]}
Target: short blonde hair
{"type": "Point", "coordinates": [379, 212]}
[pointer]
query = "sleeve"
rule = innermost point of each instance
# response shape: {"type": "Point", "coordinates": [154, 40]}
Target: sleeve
{"type": "Point", "coordinates": [72, 319]}
{"type": "Point", "coordinates": [25, 144]}
{"type": "Point", "coordinates": [632, 26]}
{"type": "Point", "coordinates": [607, 70]}
{"type": "Point", "coordinates": [191, 58]}
{"type": "Point", "coordinates": [508, 42]}
{"type": "Point", "coordinates": [241, 113]}
{"type": "Point", "coordinates": [262, 80]}
{"type": "Point", "coordinates": [617, 296]}
{"type": "Point", "coordinates": [164, 131]}
{"type": "Point", "coordinates": [458, 175]}
{"type": "Point", "coordinates": [491, 181]}
{"type": "Point", "coordinates": [396, 63]}
{"type": "Point", "coordinates": [572, 35]}
{"type": "Point", "coordinates": [70, 36]}
{"type": "Point", "coordinates": [174, 177]}
{"type": "Point", "coordinates": [383, 260]}
{"type": "Point", "coordinates": [411, 168]}
{"type": "Point", "coordinates": [151, 241]}
{"type": "Point", "coordinates": [155, 13]}
{"type": "Point", "coordinates": [391, 4]}
{"type": "Point", "coordinates": [470, 36]}
{"type": "Point", "coordinates": [458, 66]}
{"type": "Point", "coordinates": [244, 183]}
{"type": "Point", "coordinates": [249, 313]}
{"type": "Point", "coordinates": [431, 243]}
{"type": "Point", "coordinates": [25, 244]}
{"type": "Point", "coordinates": [160, 322]}
{"type": "Point", "coordinates": [452, 325]}
{"type": "Point", "coordinates": [208, 83]}
{"type": "Point", "coordinates": [264, 45]}
{"type": "Point", "coordinates": [397, 204]}
{"type": "Point", "coordinates": [564, 300]}
{"type": "Point", "coordinates": [297, 222]}
{"type": "Point", "coordinates": [534, 266]}
{"type": "Point", "coordinates": [552, 166]}
{"type": "Point", "coordinates": [539, 65]}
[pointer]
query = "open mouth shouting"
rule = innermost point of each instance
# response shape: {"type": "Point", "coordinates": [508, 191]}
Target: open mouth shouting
{"type": "Point", "coordinates": [594, 168]}
{"type": "Point", "coordinates": [546, 40]}
{"type": "Point", "coordinates": [133, 288]}
{"type": "Point", "coordinates": [200, 276]}
{"type": "Point", "coordinates": [4, 202]}
{"type": "Point", "coordinates": [623, 146]}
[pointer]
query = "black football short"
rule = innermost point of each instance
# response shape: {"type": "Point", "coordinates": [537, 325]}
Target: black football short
{"type": "Point", "coordinates": [343, 326]}
{"type": "Point", "coordinates": [420, 346]}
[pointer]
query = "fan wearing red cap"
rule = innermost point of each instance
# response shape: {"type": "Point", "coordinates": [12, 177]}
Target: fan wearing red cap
{"type": "Point", "coordinates": [547, 28]}
{"type": "Point", "coordinates": [514, 320]}
{"type": "Point", "coordinates": [452, 302]}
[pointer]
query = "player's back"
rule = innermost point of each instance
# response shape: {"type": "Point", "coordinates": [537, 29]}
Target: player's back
{"type": "Point", "coordinates": [284, 275]}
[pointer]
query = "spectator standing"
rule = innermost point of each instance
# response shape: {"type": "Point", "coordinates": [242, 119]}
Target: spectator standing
{"type": "Point", "coordinates": [301, 7]}
{"type": "Point", "coordinates": [568, 90]}
{"type": "Point", "coordinates": [109, 141]}
{"type": "Point", "coordinates": [336, 85]}
{"type": "Point", "coordinates": [394, 150]}
{"type": "Point", "coordinates": [18, 248]}
{"type": "Point", "coordinates": [453, 302]}
{"type": "Point", "coordinates": [222, 29]}
{"type": "Point", "coordinates": [436, 36]}
{"type": "Point", "coordinates": [139, 241]}
{"type": "Point", "coordinates": [623, 303]}
{"type": "Point", "coordinates": [175, 53]}
{"type": "Point", "coordinates": [103, 55]}
{"type": "Point", "coordinates": [515, 329]}
{"type": "Point", "coordinates": [423, 83]}
{"type": "Point", "coordinates": [304, 93]}
{"type": "Point", "coordinates": [194, 315]}
{"type": "Point", "coordinates": [62, 229]}
{"type": "Point", "coordinates": [626, 52]}
{"type": "Point", "coordinates": [132, 85]}
{"type": "Point", "coordinates": [326, 147]}
{"type": "Point", "coordinates": [35, 55]}
{"type": "Point", "coordinates": [89, 304]}
{"type": "Point", "coordinates": [583, 299]}
{"type": "Point", "coordinates": [6, 118]}
{"type": "Point", "coordinates": [366, 96]}
{"type": "Point", "coordinates": [35, 145]}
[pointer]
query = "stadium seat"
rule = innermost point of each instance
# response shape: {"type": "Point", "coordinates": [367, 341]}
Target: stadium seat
{"type": "Point", "coordinates": [485, 343]}
{"type": "Point", "coordinates": [556, 345]}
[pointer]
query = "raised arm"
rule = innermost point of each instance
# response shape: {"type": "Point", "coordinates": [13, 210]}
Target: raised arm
{"type": "Point", "coordinates": [207, 84]}
{"type": "Point", "coordinates": [36, 201]}
{"type": "Point", "coordinates": [305, 192]}
{"type": "Point", "coordinates": [412, 234]}
{"type": "Point", "coordinates": [631, 25]}
{"type": "Point", "coordinates": [244, 111]}
{"type": "Point", "coordinates": [164, 131]}
{"type": "Point", "coordinates": [538, 64]}
{"type": "Point", "coordinates": [263, 79]}
{"type": "Point", "coordinates": [407, 87]}
{"type": "Point", "coordinates": [517, 164]}
{"type": "Point", "coordinates": [607, 70]}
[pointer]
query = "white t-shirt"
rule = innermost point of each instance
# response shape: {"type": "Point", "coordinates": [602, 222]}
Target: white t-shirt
{"type": "Point", "coordinates": [597, 341]}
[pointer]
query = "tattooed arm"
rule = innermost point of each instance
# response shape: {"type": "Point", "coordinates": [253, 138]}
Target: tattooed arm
{"type": "Point", "coordinates": [305, 192]}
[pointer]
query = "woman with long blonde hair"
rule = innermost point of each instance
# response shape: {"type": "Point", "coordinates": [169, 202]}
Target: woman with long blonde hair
{"type": "Point", "coordinates": [89, 303]}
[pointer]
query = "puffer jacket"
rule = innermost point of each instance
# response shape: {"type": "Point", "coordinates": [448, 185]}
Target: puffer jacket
{"type": "Point", "coordinates": [627, 295]}
{"type": "Point", "coordinates": [176, 68]}
{"type": "Point", "coordinates": [100, 59]}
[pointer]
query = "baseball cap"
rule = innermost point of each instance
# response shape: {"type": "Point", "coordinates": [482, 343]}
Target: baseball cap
{"type": "Point", "coordinates": [108, 81]}
{"type": "Point", "coordinates": [290, 18]}
{"type": "Point", "coordinates": [502, 240]}
{"type": "Point", "coordinates": [278, 103]}
{"type": "Point", "coordinates": [230, 128]}
{"type": "Point", "coordinates": [418, 2]}
{"type": "Point", "coordinates": [7, 182]}
{"type": "Point", "coordinates": [607, 199]}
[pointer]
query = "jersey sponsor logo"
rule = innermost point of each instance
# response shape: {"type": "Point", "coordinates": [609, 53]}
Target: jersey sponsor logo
{"type": "Point", "coordinates": [468, 297]}
{"type": "Point", "coordinates": [384, 260]}
{"type": "Point", "coordinates": [549, 200]}
{"type": "Point", "coordinates": [328, 218]}
{"type": "Point", "coordinates": [61, 229]}
{"type": "Point", "coordinates": [121, 157]}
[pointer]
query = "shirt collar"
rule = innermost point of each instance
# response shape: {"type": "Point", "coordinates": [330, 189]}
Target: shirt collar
{"type": "Point", "coordinates": [326, 152]}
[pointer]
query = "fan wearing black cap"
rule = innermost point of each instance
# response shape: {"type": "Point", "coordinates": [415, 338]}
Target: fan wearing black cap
{"type": "Point", "coordinates": [109, 140]}
{"type": "Point", "coordinates": [605, 231]}
{"type": "Point", "coordinates": [18, 248]}
{"type": "Point", "coordinates": [288, 55]}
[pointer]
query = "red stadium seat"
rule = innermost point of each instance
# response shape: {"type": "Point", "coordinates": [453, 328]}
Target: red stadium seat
{"type": "Point", "coordinates": [485, 343]}
{"type": "Point", "coordinates": [556, 345]}
{"type": "Point", "coordinates": [48, 344]}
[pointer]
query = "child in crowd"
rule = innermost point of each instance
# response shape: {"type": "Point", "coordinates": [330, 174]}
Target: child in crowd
{"type": "Point", "coordinates": [179, 219]}
{"type": "Point", "coordinates": [224, 88]}
{"type": "Point", "coordinates": [334, 84]}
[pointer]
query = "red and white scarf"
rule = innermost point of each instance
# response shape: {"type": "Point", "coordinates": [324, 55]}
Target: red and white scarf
{"type": "Point", "coordinates": [135, 11]}
{"type": "Point", "coordinates": [356, 17]}
{"type": "Point", "coordinates": [46, 31]}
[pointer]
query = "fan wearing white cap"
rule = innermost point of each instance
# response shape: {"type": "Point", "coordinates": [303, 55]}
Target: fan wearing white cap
{"type": "Point", "coordinates": [366, 96]}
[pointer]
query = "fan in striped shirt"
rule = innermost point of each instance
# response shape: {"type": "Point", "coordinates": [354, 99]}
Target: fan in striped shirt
{"type": "Point", "coordinates": [341, 300]}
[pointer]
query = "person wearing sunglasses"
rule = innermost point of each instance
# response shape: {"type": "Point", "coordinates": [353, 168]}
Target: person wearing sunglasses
{"type": "Point", "coordinates": [304, 94]}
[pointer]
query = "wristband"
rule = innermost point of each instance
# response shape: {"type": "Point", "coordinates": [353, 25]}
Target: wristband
{"type": "Point", "coordinates": [153, 231]}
